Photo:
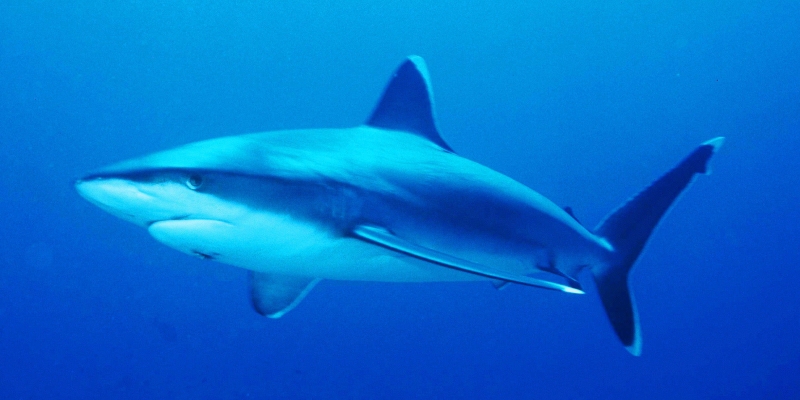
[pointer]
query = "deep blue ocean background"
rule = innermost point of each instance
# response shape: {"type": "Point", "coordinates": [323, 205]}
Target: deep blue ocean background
{"type": "Point", "coordinates": [585, 101]}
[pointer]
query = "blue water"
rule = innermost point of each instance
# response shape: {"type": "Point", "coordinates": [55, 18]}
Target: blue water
{"type": "Point", "coordinates": [585, 101]}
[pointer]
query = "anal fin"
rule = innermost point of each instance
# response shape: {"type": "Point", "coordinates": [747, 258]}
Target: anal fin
{"type": "Point", "coordinates": [273, 295]}
{"type": "Point", "coordinates": [499, 284]}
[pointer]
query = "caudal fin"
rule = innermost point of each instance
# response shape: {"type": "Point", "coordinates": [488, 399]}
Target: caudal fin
{"type": "Point", "coordinates": [628, 228]}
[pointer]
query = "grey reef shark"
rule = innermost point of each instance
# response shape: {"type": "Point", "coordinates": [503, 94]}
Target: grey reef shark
{"type": "Point", "coordinates": [386, 201]}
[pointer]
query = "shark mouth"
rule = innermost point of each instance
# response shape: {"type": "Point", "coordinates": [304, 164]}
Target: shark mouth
{"type": "Point", "coordinates": [178, 218]}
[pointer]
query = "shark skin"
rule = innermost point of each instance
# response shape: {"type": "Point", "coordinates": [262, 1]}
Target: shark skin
{"type": "Point", "coordinates": [386, 201]}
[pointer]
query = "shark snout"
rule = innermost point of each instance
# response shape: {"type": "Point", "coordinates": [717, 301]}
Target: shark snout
{"type": "Point", "coordinates": [124, 199]}
{"type": "Point", "coordinates": [108, 191]}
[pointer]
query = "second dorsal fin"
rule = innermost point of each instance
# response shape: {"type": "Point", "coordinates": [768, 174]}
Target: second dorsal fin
{"type": "Point", "coordinates": [407, 103]}
{"type": "Point", "coordinates": [571, 213]}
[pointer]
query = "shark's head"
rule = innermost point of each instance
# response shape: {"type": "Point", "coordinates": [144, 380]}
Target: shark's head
{"type": "Point", "coordinates": [184, 196]}
{"type": "Point", "coordinates": [148, 196]}
{"type": "Point", "coordinates": [169, 185]}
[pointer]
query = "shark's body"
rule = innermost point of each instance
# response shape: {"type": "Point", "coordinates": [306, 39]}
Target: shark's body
{"type": "Point", "coordinates": [386, 201]}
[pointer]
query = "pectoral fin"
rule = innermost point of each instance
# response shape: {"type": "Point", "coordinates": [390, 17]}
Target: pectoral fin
{"type": "Point", "coordinates": [274, 295]}
{"type": "Point", "coordinates": [384, 238]}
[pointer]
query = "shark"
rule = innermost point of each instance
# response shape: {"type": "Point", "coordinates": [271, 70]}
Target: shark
{"type": "Point", "coordinates": [387, 201]}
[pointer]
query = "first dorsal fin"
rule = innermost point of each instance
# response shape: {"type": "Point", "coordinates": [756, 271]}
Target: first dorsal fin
{"type": "Point", "coordinates": [407, 103]}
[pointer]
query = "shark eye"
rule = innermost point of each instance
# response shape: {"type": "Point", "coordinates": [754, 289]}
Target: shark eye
{"type": "Point", "coordinates": [194, 181]}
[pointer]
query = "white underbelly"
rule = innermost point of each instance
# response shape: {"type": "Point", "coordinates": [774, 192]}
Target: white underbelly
{"type": "Point", "coordinates": [280, 244]}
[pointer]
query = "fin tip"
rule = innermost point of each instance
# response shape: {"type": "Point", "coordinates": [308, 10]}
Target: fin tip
{"type": "Point", "coordinates": [716, 142]}
{"type": "Point", "coordinates": [635, 348]}
{"type": "Point", "coordinates": [417, 60]}
{"type": "Point", "coordinates": [709, 148]}
{"type": "Point", "coordinates": [572, 290]}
